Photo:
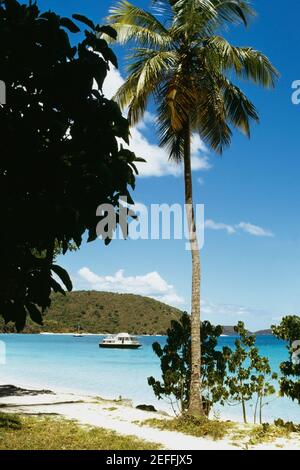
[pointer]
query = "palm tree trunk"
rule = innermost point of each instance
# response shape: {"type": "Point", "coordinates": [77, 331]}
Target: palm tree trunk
{"type": "Point", "coordinates": [260, 409]}
{"type": "Point", "coordinates": [256, 408]}
{"type": "Point", "coordinates": [195, 399]}
{"type": "Point", "coordinates": [244, 411]}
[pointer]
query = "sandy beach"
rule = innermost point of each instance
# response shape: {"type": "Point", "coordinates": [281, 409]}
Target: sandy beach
{"type": "Point", "coordinates": [120, 417]}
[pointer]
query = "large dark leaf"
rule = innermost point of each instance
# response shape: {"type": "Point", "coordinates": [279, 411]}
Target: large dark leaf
{"type": "Point", "coordinates": [21, 318]}
{"type": "Point", "coordinates": [107, 30]}
{"type": "Point", "coordinates": [34, 313]}
{"type": "Point", "coordinates": [85, 20]}
{"type": "Point", "coordinates": [63, 275]}
{"type": "Point", "coordinates": [70, 25]}
{"type": "Point", "coordinates": [110, 56]}
{"type": "Point", "coordinates": [100, 75]}
{"type": "Point", "coordinates": [56, 286]}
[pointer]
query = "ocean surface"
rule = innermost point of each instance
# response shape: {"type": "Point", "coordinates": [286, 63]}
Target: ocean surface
{"type": "Point", "coordinates": [64, 363]}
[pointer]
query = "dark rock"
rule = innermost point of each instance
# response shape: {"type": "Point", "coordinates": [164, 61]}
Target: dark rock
{"type": "Point", "coordinates": [146, 408]}
{"type": "Point", "coordinates": [11, 391]}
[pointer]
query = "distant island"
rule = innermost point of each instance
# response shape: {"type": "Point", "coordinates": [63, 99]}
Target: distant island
{"type": "Point", "coordinates": [229, 330]}
{"type": "Point", "coordinates": [107, 312]}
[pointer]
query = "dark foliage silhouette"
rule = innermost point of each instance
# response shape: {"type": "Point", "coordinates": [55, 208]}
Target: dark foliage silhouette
{"type": "Point", "coordinates": [60, 158]}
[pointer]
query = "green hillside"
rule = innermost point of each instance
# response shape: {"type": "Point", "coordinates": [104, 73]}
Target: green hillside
{"type": "Point", "coordinates": [104, 312]}
{"type": "Point", "coordinates": [107, 312]}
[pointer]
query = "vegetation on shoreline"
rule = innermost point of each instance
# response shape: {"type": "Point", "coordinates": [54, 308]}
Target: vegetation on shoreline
{"type": "Point", "coordinates": [264, 433]}
{"type": "Point", "coordinates": [234, 376]}
{"type": "Point", "coordinates": [175, 362]}
{"type": "Point", "coordinates": [289, 331]}
{"type": "Point", "coordinates": [19, 432]}
{"type": "Point", "coordinates": [249, 375]}
{"type": "Point", "coordinates": [237, 434]}
{"type": "Point", "coordinates": [193, 426]}
{"type": "Point", "coordinates": [45, 433]}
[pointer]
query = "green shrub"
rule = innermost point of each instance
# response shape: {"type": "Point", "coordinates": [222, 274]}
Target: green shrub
{"type": "Point", "coordinates": [193, 426]}
{"type": "Point", "coordinates": [9, 421]}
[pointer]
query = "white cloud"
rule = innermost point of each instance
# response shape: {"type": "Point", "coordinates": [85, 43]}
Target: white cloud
{"type": "Point", "coordinates": [150, 284]}
{"type": "Point", "coordinates": [198, 145]}
{"type": "Point", "coordinates": [225, 310]}
{"type": "Point", "coordinates": [211, 224]}
{"type": "Point", "coordinates": [254, 230]}
{"type": "Point", "coordinates": [157, 162]}
{"type": "Point", "coordinates": [200, 180]}
{"type": "Point", "coordinates": [113, 81]}
{"type": "Point", "coordinates": [157, 159]}
{"type": "Point", "coordinates": [230, 314]}
{"type": "Point", "coordinates": [246, 227]}
{"type": "Point", "coordinates": [148, 118]}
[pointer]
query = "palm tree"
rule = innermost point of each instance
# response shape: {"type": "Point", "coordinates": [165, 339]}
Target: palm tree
{"type": "Point", "coordinates": [178, 58]}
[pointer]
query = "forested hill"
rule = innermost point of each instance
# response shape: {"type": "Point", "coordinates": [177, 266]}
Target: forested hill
{"type": "Point", "coordinates": [104, 312]}
{"type": "Point", "coordinates": [107, 312]}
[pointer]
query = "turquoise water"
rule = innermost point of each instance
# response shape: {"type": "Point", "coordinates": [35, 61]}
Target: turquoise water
{"type": "Point", "coordinates": [65, 363]}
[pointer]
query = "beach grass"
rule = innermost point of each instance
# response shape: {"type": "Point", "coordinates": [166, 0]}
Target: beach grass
{"type": "Point", "coordinates": [194, 426]}
{"type": "Point", "coordinates": [253, 435]}
{"type": "Point", "coordinates": [45, 433]}
{"type": "Point", "coordinates": [240, 435]}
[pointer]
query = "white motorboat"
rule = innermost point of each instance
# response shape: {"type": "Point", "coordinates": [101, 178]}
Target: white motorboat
{"type": "Point", "coordinates": [120, 341]}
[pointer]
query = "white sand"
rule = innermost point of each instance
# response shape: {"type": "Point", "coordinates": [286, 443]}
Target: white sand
{"type": "Point", "coordinates": [101, 414]}
{"type": "Point", "coordinates": [121, 419]}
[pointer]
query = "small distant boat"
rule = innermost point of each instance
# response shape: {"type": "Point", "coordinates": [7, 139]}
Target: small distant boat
{"type": "Point", "coordinates": [78, 334]}
{"type": "Point", "coordinates": [120, 341]}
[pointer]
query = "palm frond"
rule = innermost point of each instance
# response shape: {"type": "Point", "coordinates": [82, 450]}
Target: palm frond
{"type": "Point", "coordinates": [204, 17]}
{"type": "Point", "coordinates": [126, 92]}
{"type": "Point", "coordinates": [239, 110]}
{"type": "Point", "coordinates": [152, 67]}
{"type": "Point", "coordinates": [141, 35]}
{"type": "Point", "coordinates": [147, 72]}
{"type": "Point", "coordinates": [245, 61]}
{"type": "Point", "coordinates": [219, 54]}
{"type": "Point", "coordinates": [192, 18]}
{"type": "Point", "coordinates": [210, 118]}
{"type": "Point", "coordinates": [176, 102]}
{"type": "Point", "coordinates": [137, 108]}
{"type": "Point", "coordinates": [173, 141]}
{"type": "Point", "coordinates": [233, 11]}
{"type": "Point", "coordinates": [133, 23]}
{"type": "Point", "coordinates": [257, 67]}
{"type": "Point", "coordinates": [176, 99]}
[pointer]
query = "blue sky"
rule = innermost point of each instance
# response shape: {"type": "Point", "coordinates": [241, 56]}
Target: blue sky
{"type": "Point", "coordinates": [247, 274]}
